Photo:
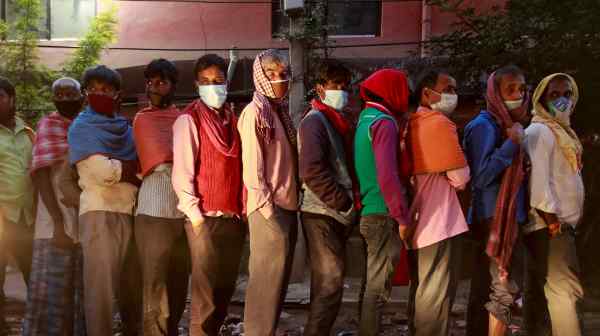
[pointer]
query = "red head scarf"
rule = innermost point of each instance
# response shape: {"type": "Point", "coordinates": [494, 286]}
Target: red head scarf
{"type": "Point", "coordinates": [504, 228]}
{"type": "Point", "coordinates": [497, 108]}
{"type": "Point", "coordinates": [390, 85]}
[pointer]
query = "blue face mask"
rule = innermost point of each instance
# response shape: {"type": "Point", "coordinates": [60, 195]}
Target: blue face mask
{"type": "Point", "coordinates": [560, 105]}
{"type": "Point", "coordinates": [561, 109]}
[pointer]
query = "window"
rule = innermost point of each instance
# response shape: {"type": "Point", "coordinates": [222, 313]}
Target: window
{"type": "Point", "coordinates": [61, 19]}
{"type": "Point", "coordinates": [346, 17]}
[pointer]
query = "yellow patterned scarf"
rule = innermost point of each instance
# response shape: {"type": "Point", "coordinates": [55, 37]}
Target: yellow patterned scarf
{"type": "Point", "coordinates": [566, 137]}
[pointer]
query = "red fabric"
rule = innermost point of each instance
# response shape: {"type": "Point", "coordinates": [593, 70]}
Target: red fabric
{"type": "Point", "coordinates": [402, 275]}
{"type": "Point", "coordinates": [391, 85]}
{"type": "Point", "coordinates": [504, 229]}
{"type": "Point", "coordinates": [219, 169]}
{"type": "Point", "coordinates": [50, 145]}
{"type": "Point", "coordinates": [153, 135]}
{"type": "Point", "coordinates": [343, 127]}
{"type": "Point", "coordinates": [219, 136]}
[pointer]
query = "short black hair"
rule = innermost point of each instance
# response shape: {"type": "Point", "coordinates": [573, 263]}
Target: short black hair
{"type": "Point", "coordinates": [163, 68]}
{"type": "Point", "coordinates": [8, 87]}
{"type": "Point", "coordinates": [427, 79]}
{"type": "Point", "coordinates": [208, 61]}
{"type": "Point", "coordinates": [333, 70]}
{"type": "Point", "coordinates": [102, 73]}
{"type": "Point", "coordinates": [510, 69]}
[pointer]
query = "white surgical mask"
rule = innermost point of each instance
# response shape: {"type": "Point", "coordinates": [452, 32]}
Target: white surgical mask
{"type": "Point", "coordinates": [447, 104]}
{"type": "Point", "coordinates": [213, 95]}
{"type": "Point", "coordinates": [336, 99]}
{"type": "Point", "coordinates": [513, 104]}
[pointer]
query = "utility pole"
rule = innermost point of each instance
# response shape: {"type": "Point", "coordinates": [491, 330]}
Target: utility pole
{"type": "Point", "coordinates": [295, 10]}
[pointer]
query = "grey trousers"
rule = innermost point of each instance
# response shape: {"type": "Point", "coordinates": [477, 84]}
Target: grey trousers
{"type": "Point", "coordinates": [326, 241]}
{"type": "Point", "coordinates": [164, 257]}
{"type": "Point", "coordinates": [552, 281]}
{"type": "Point", "coordinates": [110, 269]}
{"type": "Point", "coordinates": [383, 247]}
{"type": "Point", "coordinates": [433, 281]}
{"type": "Point", "coordinates": [272, 244]}
{"type": "Point", "coordinates": [216, 250]}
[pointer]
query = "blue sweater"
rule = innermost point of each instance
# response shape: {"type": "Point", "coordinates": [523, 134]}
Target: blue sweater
{"type": "Point", "coordinates": [488, 158]}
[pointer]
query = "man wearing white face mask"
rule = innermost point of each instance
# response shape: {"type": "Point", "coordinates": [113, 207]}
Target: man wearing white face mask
{"type": "Point", "coordinates": [556, 200]}
{"type": "Point", "coordinates": [270, 169]}
{"type": "Point", "coordinates": [439, 170]}
{"type": "Point", "coordinates": [207, 178]}
{"type": "Point", "coordinates": [326, 174]}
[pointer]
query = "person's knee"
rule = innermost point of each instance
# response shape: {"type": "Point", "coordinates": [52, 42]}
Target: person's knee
{"type": "Point", "coordinates": [331, 284]}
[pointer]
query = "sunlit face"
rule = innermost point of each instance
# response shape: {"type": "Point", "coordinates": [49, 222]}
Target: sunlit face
{"type": "Point", "coordinates": [279, 73]}
{"type": "Point", "coordinates": [66, 93]}
{"type": "Point", "coordinates": [158, 85]}
{"type": "Point", "coordinates": [331, 85]}
{"type": "Point", "coordinates": [103, 88]}
{"type": "Point", "coordinates": [512, 87]}
{"type": "Point", "coordinates": [212, 75]}
{"type": "Point", "coordinates": [445, 84]}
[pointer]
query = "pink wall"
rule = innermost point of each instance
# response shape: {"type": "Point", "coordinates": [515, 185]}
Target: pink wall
{"type": "Point", "coordinates": [196, 25]}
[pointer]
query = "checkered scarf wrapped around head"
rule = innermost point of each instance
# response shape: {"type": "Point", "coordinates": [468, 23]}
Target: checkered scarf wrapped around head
{"type": "Point", "coordinates": [265, 119]}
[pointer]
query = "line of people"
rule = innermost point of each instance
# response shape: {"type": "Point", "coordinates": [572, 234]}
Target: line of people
{"type": "Point", "coordinates": [128, 212]}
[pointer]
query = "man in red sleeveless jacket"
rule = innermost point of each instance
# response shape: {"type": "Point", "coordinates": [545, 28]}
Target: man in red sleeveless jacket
{"type": "Point", "coordinates": [207, 177]}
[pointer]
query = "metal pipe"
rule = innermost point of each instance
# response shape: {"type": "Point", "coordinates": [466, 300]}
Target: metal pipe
{"type": "Point", "coordinates": [425, 27]}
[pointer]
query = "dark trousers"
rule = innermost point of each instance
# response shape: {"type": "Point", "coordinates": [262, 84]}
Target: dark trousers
{"type": "Point", "coordinates": [216, 250]}
{"type": "Point", "coordinates": [326, 242]}
{"type": "Point", "coordinates": [477, 314]}
{"type": "Point", "coordinates": [489, 294]}
{"type": "Point", "coordinates": [17, 242]}
{"type": "Point", "coordinates": [164, 257]}
{"type": "Point", "coordinates": [272, 244]}
{"type": "Point", "coordinates": [433, 281]}
{"type": "Point", "coordinates": [552, 285]}
{"type": "Point", "coordinates": [383, 246]}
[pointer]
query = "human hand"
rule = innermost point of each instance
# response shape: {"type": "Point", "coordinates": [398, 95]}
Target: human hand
{"type": "Point", "coordinates": [516, 133]}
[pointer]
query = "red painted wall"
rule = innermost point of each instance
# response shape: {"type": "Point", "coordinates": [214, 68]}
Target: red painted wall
{"type": "Point", "coordinates": [196, 25]}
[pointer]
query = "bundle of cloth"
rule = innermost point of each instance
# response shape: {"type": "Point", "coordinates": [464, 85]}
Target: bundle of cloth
{"type": "Point", "coordinates": [432, 132]}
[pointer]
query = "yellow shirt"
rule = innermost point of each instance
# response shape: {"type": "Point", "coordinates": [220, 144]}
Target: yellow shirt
{"type": "Point", "coordinates": [16, 187]}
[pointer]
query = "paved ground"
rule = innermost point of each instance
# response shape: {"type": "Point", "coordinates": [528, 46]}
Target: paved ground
{"type": "Point", "coordinates": [296, 309]}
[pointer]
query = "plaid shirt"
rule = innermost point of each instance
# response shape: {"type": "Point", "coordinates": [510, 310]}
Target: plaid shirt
{"type": "Point", "coordinates": [50, 144]}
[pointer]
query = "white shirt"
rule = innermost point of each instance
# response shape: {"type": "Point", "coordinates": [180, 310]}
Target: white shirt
{"type": "Point", "coordinates": [554, 186]}
{"type": "Point", "coordinates": [156, 197]}
{"type": "Point", "coordinates": [99, 179]}
{"type": "Point", "coordinates": [44, 225]}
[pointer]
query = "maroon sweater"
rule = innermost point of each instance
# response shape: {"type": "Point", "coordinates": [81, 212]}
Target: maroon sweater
{"type": "Point", "coordinates": [218, 177]}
